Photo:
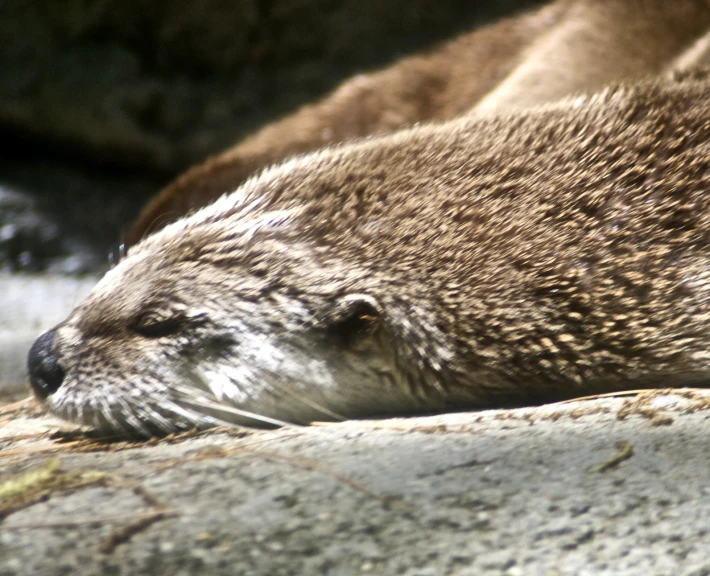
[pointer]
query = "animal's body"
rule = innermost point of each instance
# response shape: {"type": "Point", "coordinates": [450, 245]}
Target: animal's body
{"type": "Point", "coordinates": [500, 260]}
{"type": "Point", "coordinates": [564, 48]}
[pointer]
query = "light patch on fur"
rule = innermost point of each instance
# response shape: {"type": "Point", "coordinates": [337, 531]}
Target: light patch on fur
{"type": "Point", "coordinates": [249, 197]}
{"type": "Point", "coordinates": [241, 213]}
{"type": "Point", "coordinates": [283, 370]}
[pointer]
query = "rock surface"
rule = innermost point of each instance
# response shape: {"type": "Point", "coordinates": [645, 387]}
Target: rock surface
{"type": "Point", "coordinates": [609, 486]}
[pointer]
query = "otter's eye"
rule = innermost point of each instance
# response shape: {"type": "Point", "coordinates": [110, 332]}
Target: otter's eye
{"type": "Point", "coordinates": [359, 319]}
{"type": "Point", "coordinates": [156, 325]}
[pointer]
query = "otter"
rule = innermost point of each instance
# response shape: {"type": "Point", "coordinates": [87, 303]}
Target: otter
{"type": "Point", "coordinates": [563, 48]}
{"type": "Point", "coordinates": [498, 260]}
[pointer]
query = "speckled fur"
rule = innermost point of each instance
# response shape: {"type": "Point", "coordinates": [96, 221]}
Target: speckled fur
{"type": "Point", "coordinates": [525, 257]}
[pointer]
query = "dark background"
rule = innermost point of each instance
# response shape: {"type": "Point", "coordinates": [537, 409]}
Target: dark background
{"type": "Point", "coordinates": [102, 102]}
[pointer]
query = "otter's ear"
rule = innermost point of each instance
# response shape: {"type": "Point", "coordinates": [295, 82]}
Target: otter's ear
{"type": "Point", "coordinates": [355, 320]}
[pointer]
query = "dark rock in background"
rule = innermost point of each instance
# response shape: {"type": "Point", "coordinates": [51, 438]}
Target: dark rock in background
{"type": "Point", "coordinates": [104, 101]}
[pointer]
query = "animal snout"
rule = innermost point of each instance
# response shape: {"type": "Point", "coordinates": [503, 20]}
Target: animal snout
{"type": "Point", "coordinates": [46, 375]}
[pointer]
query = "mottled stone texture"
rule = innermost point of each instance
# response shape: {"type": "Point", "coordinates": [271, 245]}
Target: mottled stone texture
{"type": "Point", "coordinates": [607, 487]}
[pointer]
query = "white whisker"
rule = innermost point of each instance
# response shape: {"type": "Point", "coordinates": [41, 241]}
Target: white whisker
{"type": "Point", "coordinates": [274, 383]}
{"type": "Point", "coordinates": [128, 415]}
{"type": "Point", "coordinates": [193, 396]}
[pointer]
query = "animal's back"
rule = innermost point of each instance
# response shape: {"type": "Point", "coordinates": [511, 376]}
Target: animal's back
{"type": "Point", "coordinates": [557, 251]}
{"type": "Point", "coordinates": [566, 47]}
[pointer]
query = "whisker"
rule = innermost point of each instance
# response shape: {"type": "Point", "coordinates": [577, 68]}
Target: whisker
{"type": "Point", "coordinates": [162, 422]}
{"type": "Point", "coordinates": [129, 415]}
{"type": "Point", "coordinates": [114, 423]}
{"type": "Point", "coordinates": [199, 419]}
{"type": "Point", "coordinates": [195, 397]}
{"type": "Point", "coordinates": [75, 412]}
{"type": "Point", "coordinates": [274, 383]}
{"type": "Point", "coordinates": [192, 416]}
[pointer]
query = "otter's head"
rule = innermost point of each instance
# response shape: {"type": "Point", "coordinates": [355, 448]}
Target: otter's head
{"type": "Point", "coordinates": [234, 314]}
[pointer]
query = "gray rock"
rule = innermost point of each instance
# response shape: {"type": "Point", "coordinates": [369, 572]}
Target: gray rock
{"type": "Point", "coordinates": [606, 487]}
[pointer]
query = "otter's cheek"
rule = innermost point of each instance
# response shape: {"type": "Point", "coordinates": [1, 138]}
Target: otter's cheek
{"type": "Point", "coordinates": [260, 366]}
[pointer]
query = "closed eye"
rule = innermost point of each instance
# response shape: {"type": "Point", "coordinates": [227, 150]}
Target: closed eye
{"type": "Point", "coordinates": [151, 326]}
{"type": "Point", "coordinates": [159, 328]}
{"type": "Point", "coordinates": [166, 319]}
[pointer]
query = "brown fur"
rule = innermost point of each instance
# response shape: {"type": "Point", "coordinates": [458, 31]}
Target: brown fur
{"type": "Point", "coordinates": [566, 47]}
{"type": "Point", "coordinates": [530, 256]}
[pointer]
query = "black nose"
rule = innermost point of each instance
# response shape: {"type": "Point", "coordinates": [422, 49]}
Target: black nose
{"type": "Point", "coordinates": [46, 375]}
